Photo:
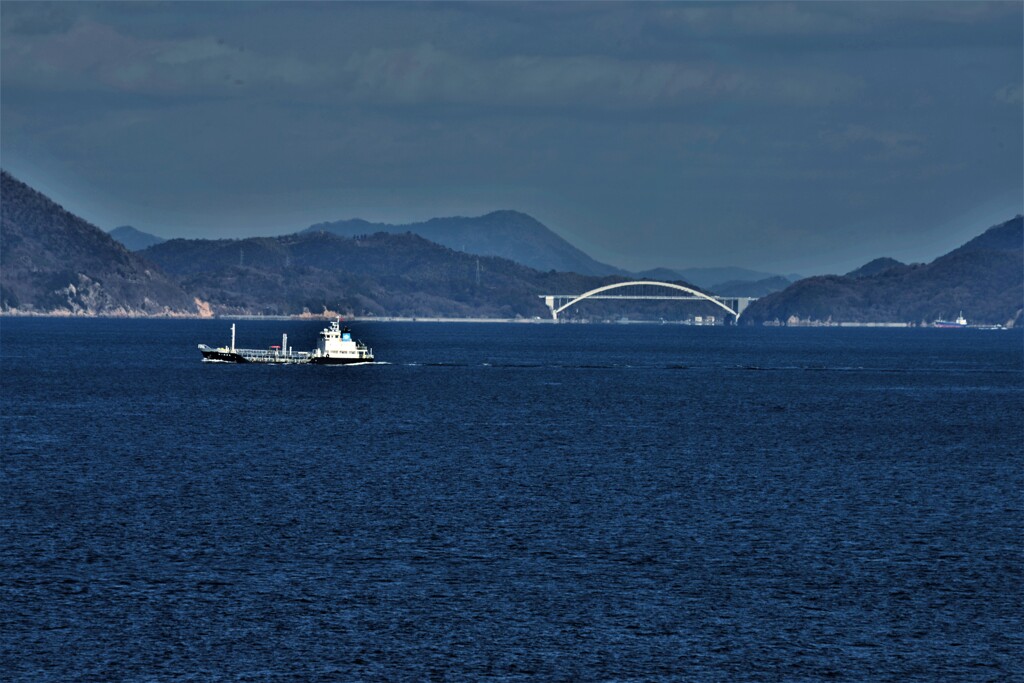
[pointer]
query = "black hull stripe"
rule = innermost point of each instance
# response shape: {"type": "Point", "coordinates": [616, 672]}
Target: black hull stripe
{"type": "Point", "coordinates": [224, 357]}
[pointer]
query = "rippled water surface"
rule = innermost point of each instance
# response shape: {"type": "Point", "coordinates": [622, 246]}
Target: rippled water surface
{"type": "Point", "coordinates": [511, 502]}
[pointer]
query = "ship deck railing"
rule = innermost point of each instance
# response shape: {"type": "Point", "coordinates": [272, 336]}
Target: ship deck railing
{"type": "Point", "coordinates": [274, 356]}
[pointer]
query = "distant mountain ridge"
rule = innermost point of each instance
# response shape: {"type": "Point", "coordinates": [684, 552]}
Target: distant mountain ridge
{"type": "Point", "coordinates": [984, 278]}
{"type": "Point", "coordinates": [380, 274]}
{"type": "Point", "coordinates": [53, 262]}
{"type": "Point", "coordinates": [507, 234]}
{"type": "Point", "coordinates": [724, 280]}
{"type": "Point", "coordinates": [755, 288]}
{"type": "Point", "coordinates": [133, 239]}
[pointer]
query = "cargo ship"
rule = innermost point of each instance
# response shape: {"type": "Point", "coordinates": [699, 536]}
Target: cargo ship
{"type": "Point", "coordinates": [335, 346]}
{"type": "Point", "coordinates": [960, 321]}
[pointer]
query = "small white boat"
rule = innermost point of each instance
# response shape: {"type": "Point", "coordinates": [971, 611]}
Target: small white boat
{"type": "Point", "coordinates": [960, 321]}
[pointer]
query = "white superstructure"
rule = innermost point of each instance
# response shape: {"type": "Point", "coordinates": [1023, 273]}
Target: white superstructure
{"type": "Point", "coordinates": [336, 342]}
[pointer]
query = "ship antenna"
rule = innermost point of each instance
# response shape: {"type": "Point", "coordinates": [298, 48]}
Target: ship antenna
{"type": "Point", "coordinates": [232, 337]}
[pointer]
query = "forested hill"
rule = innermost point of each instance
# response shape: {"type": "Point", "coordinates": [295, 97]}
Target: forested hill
{"type": "Point", "coordinates": [984, 278]}
{"type": "Point", "coordinates": [53, 262]}
{"type": "Point", "coordinates": [379, 274]}
{"type": "Point", "coordinates": [508, 234]}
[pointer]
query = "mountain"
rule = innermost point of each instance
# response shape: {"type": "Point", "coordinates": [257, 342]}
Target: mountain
{"type": "Point", "coordinates": [984, 278]}
{"type": "Point", "coordinates": [134, 240]}
{"type": "Point", "coordinates": [382, 274]}
{"type": "Point", "coordinates": [756, 288]}
{"type": "Point", "coordinates": [879, 265]}
{"type": "Point", "coordinates": [709, 278]}
{"type": "Point", "coordinates": [1007, 236]}
{"type": "Point", "coordinates": [508, 234]}
{"type": "Point", "coordinates": [663, 274]}
{"type": "Point", "coordinates": [738, 282]}
{"type": "Point", "coordinates": [53, 262]}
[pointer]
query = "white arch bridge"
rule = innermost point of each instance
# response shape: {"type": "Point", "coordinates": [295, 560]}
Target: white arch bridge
{"type": "Point", "coordinates": [647, 290]}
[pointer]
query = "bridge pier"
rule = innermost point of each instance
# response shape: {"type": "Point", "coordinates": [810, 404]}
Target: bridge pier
{"type": "Point", "coordinates": [550, 302]}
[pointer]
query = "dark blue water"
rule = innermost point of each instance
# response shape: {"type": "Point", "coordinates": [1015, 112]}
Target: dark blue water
{"type": "Point", "coordinates": [512, 502]}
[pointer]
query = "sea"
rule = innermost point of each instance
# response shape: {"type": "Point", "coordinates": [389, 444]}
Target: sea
{"type": "Point", "coordinates": [511, 502]}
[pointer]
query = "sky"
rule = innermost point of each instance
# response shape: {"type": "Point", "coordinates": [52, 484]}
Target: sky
{"type": "Point", "coordinates": [784, 137]}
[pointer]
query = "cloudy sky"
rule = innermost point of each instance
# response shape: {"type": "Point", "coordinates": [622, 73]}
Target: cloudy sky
{"type": "Point", "coordinates": [798, 137]}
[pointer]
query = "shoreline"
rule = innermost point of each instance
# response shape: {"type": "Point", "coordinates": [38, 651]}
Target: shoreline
{"type": "Point", "coordinates": [500, 321]}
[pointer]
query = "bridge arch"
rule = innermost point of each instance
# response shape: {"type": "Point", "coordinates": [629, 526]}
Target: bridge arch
{"type": "Point", "coordinates": [667, 285]}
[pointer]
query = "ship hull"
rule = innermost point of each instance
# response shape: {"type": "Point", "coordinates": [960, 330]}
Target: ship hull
{"type": "Point", "coordinates": [214, 356]}
{"type": "Point", "coordinates": [339, 361]}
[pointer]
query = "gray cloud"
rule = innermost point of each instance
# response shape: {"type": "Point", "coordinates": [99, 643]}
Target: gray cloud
{"type": "Point", "coordinates": [1011, 93]}
{"type": "Point", "coordinates": [34, 19]}
{"type": "Point", "coordinates": [94, 56]}
{"type": "Point", "coordinates": [875, 144]}
{"type": "Point", "coordinates": [427, 74]}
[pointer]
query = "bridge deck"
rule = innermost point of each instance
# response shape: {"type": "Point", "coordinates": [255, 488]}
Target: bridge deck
{"type": "Point", "coordinates": [633, 297]}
